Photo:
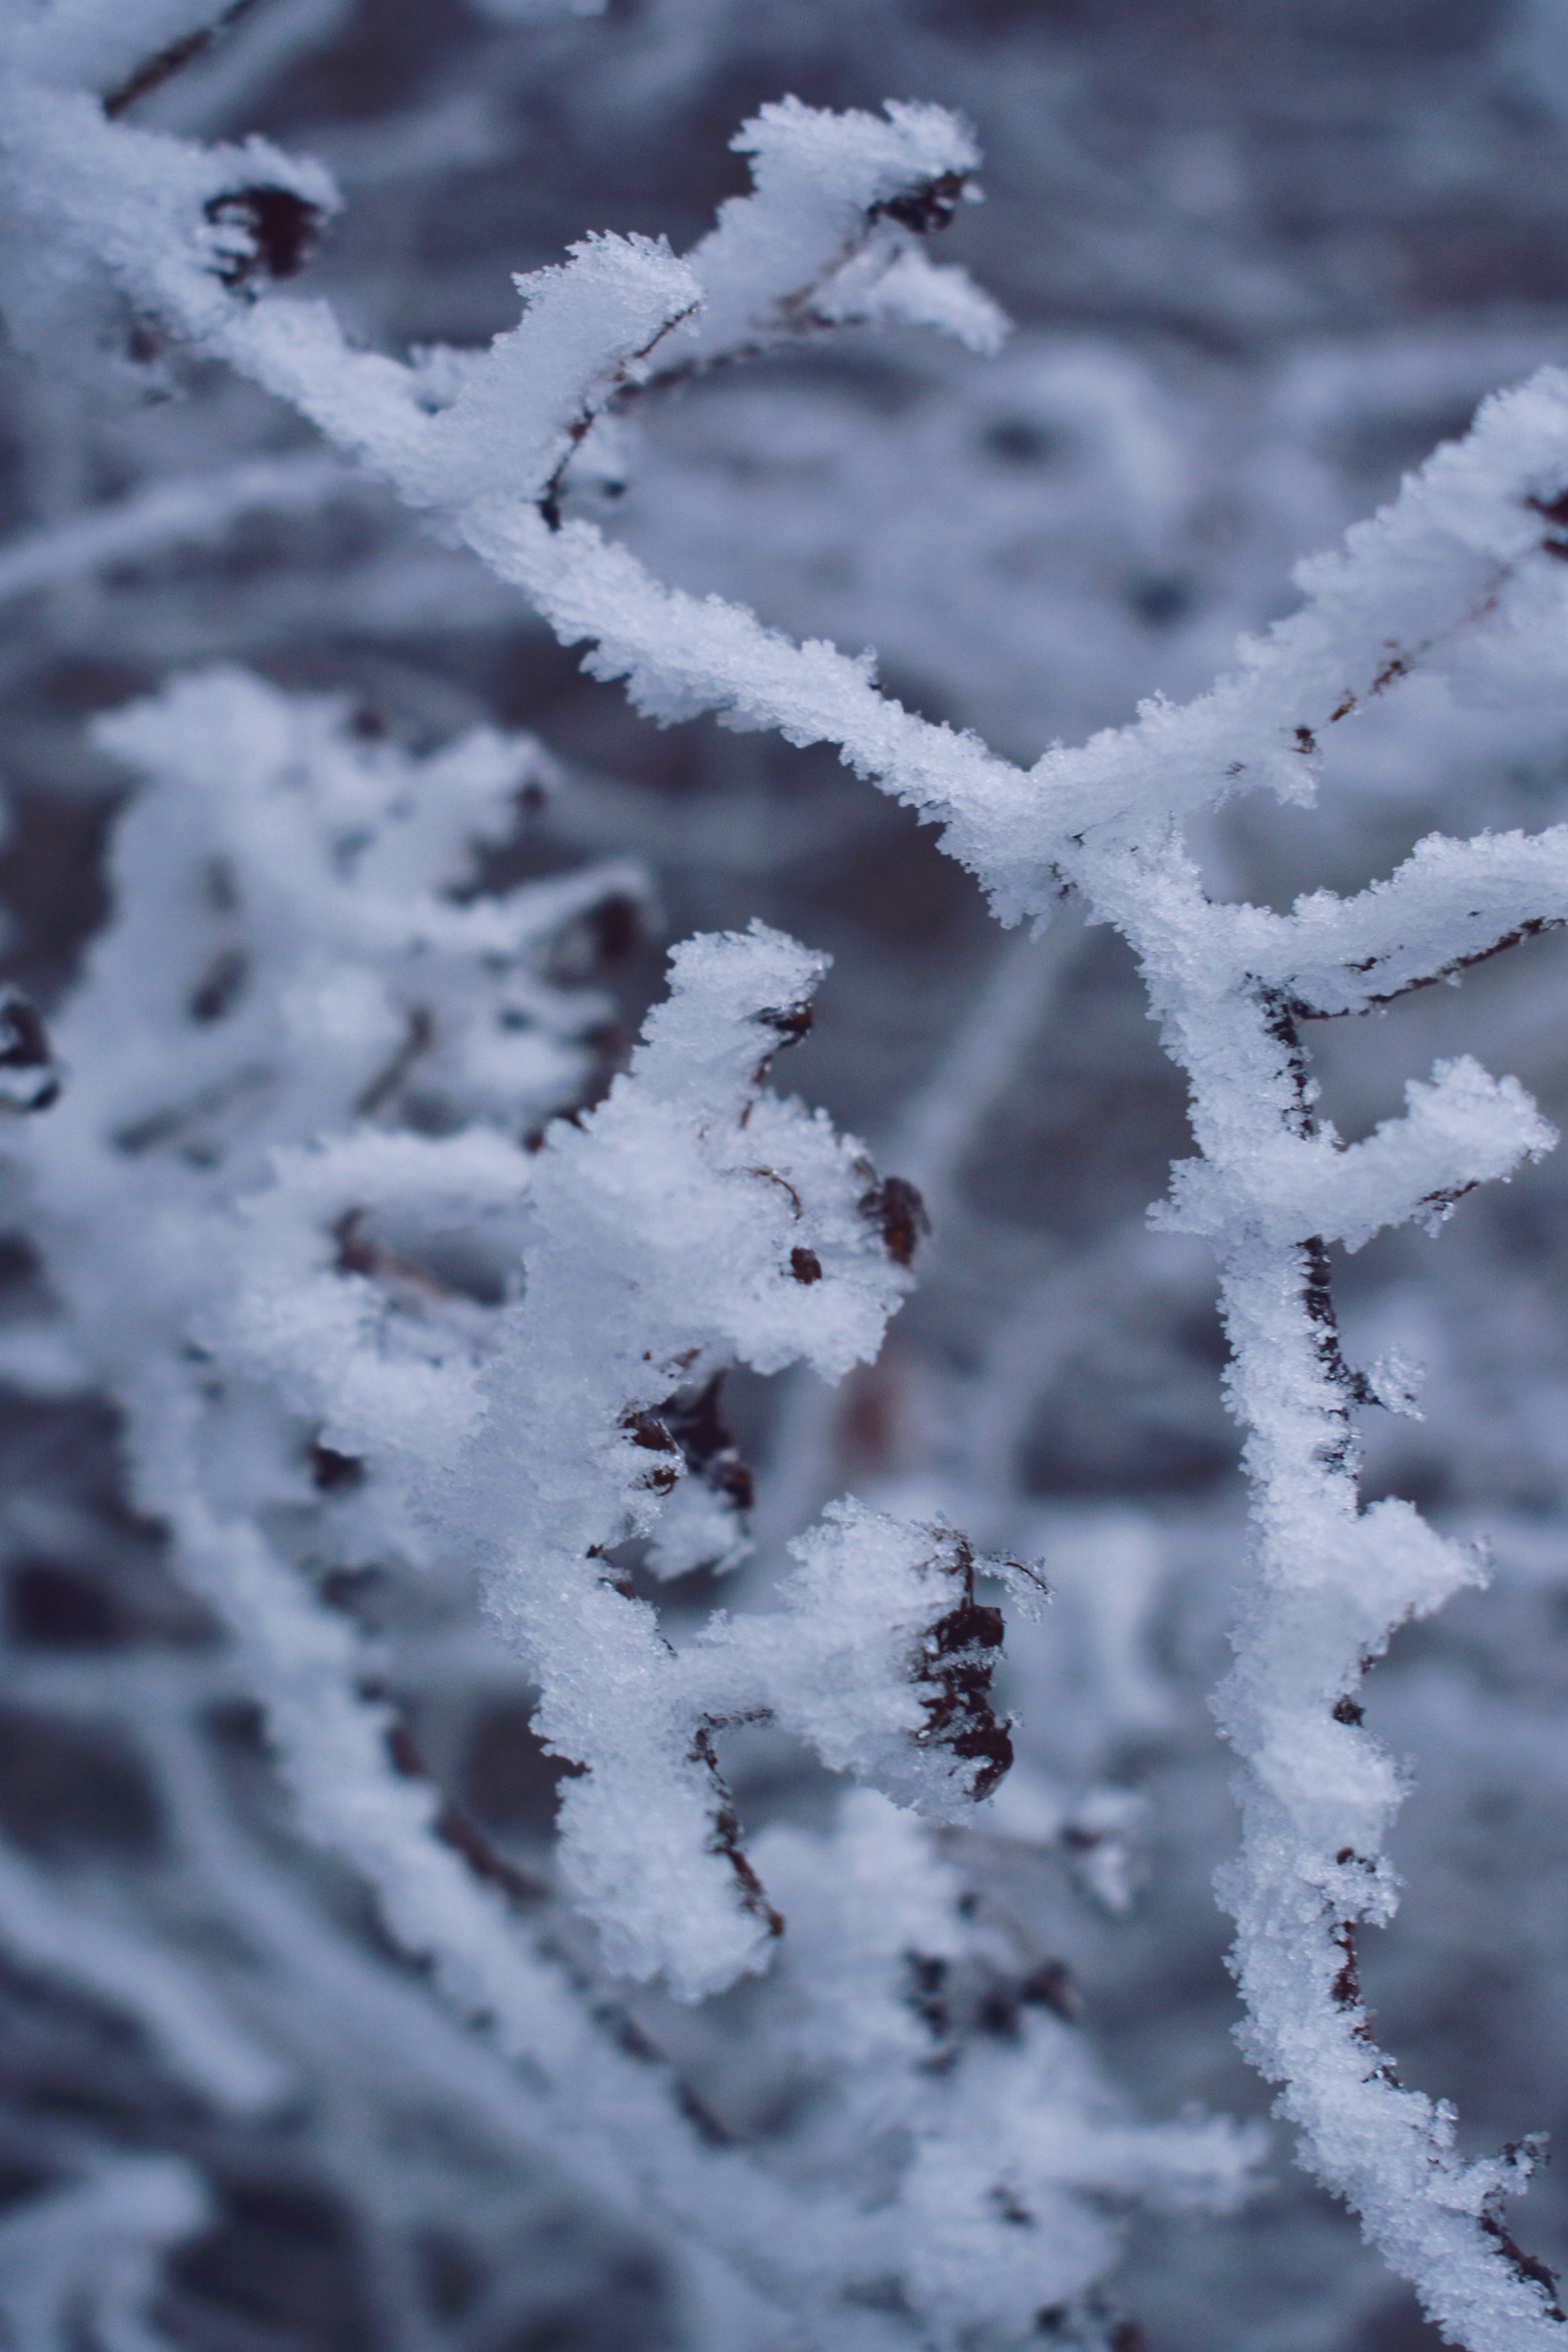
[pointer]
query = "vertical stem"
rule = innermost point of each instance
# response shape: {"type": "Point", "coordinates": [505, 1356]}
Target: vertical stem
{"type": "Point", "coordinates": [1330, 1583]}
{"type": "Point", "coordinates": [1319, 1793]}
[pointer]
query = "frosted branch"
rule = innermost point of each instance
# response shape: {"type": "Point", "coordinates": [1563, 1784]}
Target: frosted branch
{"type": "Point", "coordinates": [93, 2249]}
{"type": "Point", "coordinates": [1460, 579]}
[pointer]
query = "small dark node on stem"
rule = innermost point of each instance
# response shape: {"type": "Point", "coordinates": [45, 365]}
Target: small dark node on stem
{"type": "Point", "coordinates": [534, 1140]}
{"type": "Point", "coordinates": [925, 209]}
{"type": "Point", "coordinates": [333, 1473]}
{"type": "Point", "coordinates": [617, 926]}
{"type": "Point", "coordinates": [1347, 1711]}
{"type": "Point", "coordinates": [1317, 1295]}
{"type": "Point", "coordinates": [1306, 741]}
{"type": "Point", "coordinates": [971, 1625]}
{"type": "Point", "coordinates": [1553, 510]}
{"type": "Point", "coordinates": [955, 1660]}
{"type": "Point", "coordinates": [29, 1079]}
{"type": "Point", "coordinates": [646, 1429]}
{"type": "Point", "coordinates": [997, 2006]}
{"type": "Point", "coordinates": [792, 1022]}
{"type": "Point", "coordinates": [347, 1590]}
{"type": "Point", "coordinates": [789, 1024]}
{"type": "Point", "coordinates": [806, 1265]}
{"type": "Point", "coordinates": [220, 989]}
{"type": "Point", "coordinates": [726, 1838]}
{"type": "Point", "coordinates": [1050, 1986]}
{"type": "Point", "coordinates": [598, 936]}
{"type": "Point", "coordinates": [280, 229]}
{"type": "Point", "coordinates": [1396, 667]}
{"type": "Point", "coordinates": [1091, 2320]}
{"type": "Point", "coordinates": [957, 2000]}
{"type": "Point", "coordinates": [706, 1444]}
{"type": "Point", "coordinates": [925, 1974]}
{"type": "Point", "coordinates": [1345, 1988]}
{"type": "Point", "coordinates": [895, 1209]}
{"type": "Point", "coordinates": [355, 1254]}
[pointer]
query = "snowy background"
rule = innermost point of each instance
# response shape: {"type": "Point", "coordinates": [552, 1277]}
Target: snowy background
{"type": "Point", "coordinates": [1261, 256]}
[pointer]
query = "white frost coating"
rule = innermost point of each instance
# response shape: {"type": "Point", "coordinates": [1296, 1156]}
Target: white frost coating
{"type": "Point", "coordinates": [1460, 577]}
{"type": "Point", "coordinates": [1461, 1129]}
{"type": "Point", "coordinates": [692, 1221]}
{"type": "Point", "coordinates": [287, 979]}
{"type": "Point", "coordinates": [172, 514]}
{"type": "Point", "coordinates": [83, 44]}
{"type": "Point", "coordinates": [134, 202]}
{"type": "Point", "coordinates": [914, 292]}
{"type": "Point", "coordinates": [283, 1304]}
{"type": "Point", "coordinates": [584, 333]}
{"type": "Point", "coordinates": [825, 234]}
{"type": "Point", "coordinates": [933, 2040]}
{"type": "Point", "coordinates": [110, 1960]}
{"type": "Point", "coordinates": [90, 2255]}
{"type": "Point", "coordinates": [876, 1658]}
{"type": "Point", "coordinates": [302, 1378]}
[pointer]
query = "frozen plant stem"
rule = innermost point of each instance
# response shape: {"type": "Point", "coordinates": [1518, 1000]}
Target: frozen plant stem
{"type": "Point", "coordinates": [306, 1378]}
{"type": "Point", "coordinates": [1461, 579]}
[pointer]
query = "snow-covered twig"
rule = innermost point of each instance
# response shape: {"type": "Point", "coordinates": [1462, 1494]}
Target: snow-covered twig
{"type": "Point", "coordinates": [380, 1308]}
{"type": "Point", "coordinates": [171, 514]}
{"type": "Point", "coordinates": [1461, 578]}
